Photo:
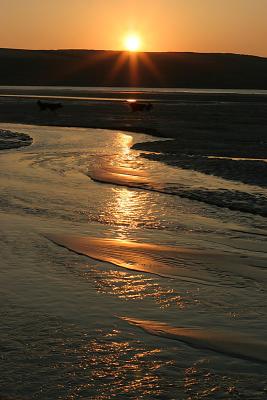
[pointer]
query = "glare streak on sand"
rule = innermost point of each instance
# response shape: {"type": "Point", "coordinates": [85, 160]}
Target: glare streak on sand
{"type": "Point", "coordinates": [233, 344]}
{"type": "Point", "coordinates": [238, 158]}
{"type": "Point", "coordinates": [121, 176]}
{"type": "Point", "coordinates": [165, 261]}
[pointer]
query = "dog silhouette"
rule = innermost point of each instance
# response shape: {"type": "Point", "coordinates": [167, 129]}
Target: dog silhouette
{"type": "Point", "coordinates": [138, 106]}
{"type": "Point", "coordinates": [46, 105]}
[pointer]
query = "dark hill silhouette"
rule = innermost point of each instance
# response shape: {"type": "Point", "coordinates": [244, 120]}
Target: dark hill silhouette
{"type": "Point", "coordinates": [97, 68]}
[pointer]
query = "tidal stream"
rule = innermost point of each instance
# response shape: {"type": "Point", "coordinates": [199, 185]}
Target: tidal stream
{"type": "Point", "coordinates": [115, 286]}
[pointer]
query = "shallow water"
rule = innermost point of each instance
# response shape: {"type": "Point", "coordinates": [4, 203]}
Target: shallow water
{"type": "Point", "coordinates": [84, 262]}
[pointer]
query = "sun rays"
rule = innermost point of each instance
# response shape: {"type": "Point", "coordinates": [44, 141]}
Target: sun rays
{"type": "Point", "coordinates": [132, 63]}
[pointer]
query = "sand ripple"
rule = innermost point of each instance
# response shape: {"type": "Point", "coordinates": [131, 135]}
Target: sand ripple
{"type": "Point", "coordinates": [189, 264]}
{"type": "Point", "coordinates": [229, 343]}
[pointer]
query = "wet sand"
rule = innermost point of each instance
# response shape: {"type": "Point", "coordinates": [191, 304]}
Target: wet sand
{"type": "Point", "coordinates": [239, 345]}
{"type": "Point", "coordinates": [164, 261]}
{"type": "Point", "coordinates": [202, 126]}
{"type": "Point", "coordinates": [63, 298]}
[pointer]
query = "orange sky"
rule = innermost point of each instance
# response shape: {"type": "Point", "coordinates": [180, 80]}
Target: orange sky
{"type": "Point", "coordinates": [238, 26]}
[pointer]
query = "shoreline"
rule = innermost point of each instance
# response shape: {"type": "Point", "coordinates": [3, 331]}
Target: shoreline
{"type": "Point", "coordinates": [203, 132]}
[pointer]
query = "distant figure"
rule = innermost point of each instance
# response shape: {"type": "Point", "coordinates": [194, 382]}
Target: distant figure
{"type": "Point", "coordinates": [45, 105]}
{"type": "Point", "coordinates": [137, 106]}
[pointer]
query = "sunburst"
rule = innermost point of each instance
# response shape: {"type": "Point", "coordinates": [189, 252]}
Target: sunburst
{"type": "Point", "coordinates": [132, 42]}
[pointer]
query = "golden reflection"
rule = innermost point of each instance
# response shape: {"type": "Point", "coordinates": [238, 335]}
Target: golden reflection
{"type": "Point", "coordinates": [123, 367]}
{"type": "Point", "coordinates": [128, 209]}
{"type": "Point", "coordinates": [226, 342]}
{"type": "Point", "coordinates": [122, 168]}
{"type": "Point", "coordinates": [207, 384]}
{"type": "Point", "coordinates": [166, 261]}
{"type": "Point", "coordinates": [126, 205]}
{"type": "Point", "coordinates": [136, 287]}
{"type": "Point", "coordinates": [102, 364]}
{"type": "Point", "coordinates": [123, 142]}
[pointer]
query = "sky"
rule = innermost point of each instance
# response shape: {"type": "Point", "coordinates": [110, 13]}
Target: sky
{"type": "Point", "coordinates": [228, 26]}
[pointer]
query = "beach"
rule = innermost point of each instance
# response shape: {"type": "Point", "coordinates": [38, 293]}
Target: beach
{"type": "Point", "coordinates": [204, 127]}
{"type": "Point", "coordinates": [219, 133]}
{"type": "Point", "coordinates": [133, 245]}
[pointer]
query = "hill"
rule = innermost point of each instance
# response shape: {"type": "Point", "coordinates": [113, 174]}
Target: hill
{"type": "Point", "coordinates": [116, 68]}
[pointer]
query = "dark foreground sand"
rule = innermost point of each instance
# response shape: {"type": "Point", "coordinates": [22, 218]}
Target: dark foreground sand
{"type": "Point", "coordinates": [201, 126]}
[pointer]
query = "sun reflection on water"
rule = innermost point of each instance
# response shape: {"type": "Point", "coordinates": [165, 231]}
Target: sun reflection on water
{"type": "Point", "coordinates": [126, 205]}
{"type": "Point", "coordinates": [136, 287]}
{"type": "Point", "coordinates": [127, 210]}
{"type": "Point", "coordinates": [100, 364]}
{"type": "Point", "coordinates": [123, 142]}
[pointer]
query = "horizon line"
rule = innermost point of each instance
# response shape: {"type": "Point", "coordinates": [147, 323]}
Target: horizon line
{"type": "Point", "coordinates": [140, 52]}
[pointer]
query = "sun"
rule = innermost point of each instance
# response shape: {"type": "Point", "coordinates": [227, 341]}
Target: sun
{"type": "Point", "coordinates": [132, 42]}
